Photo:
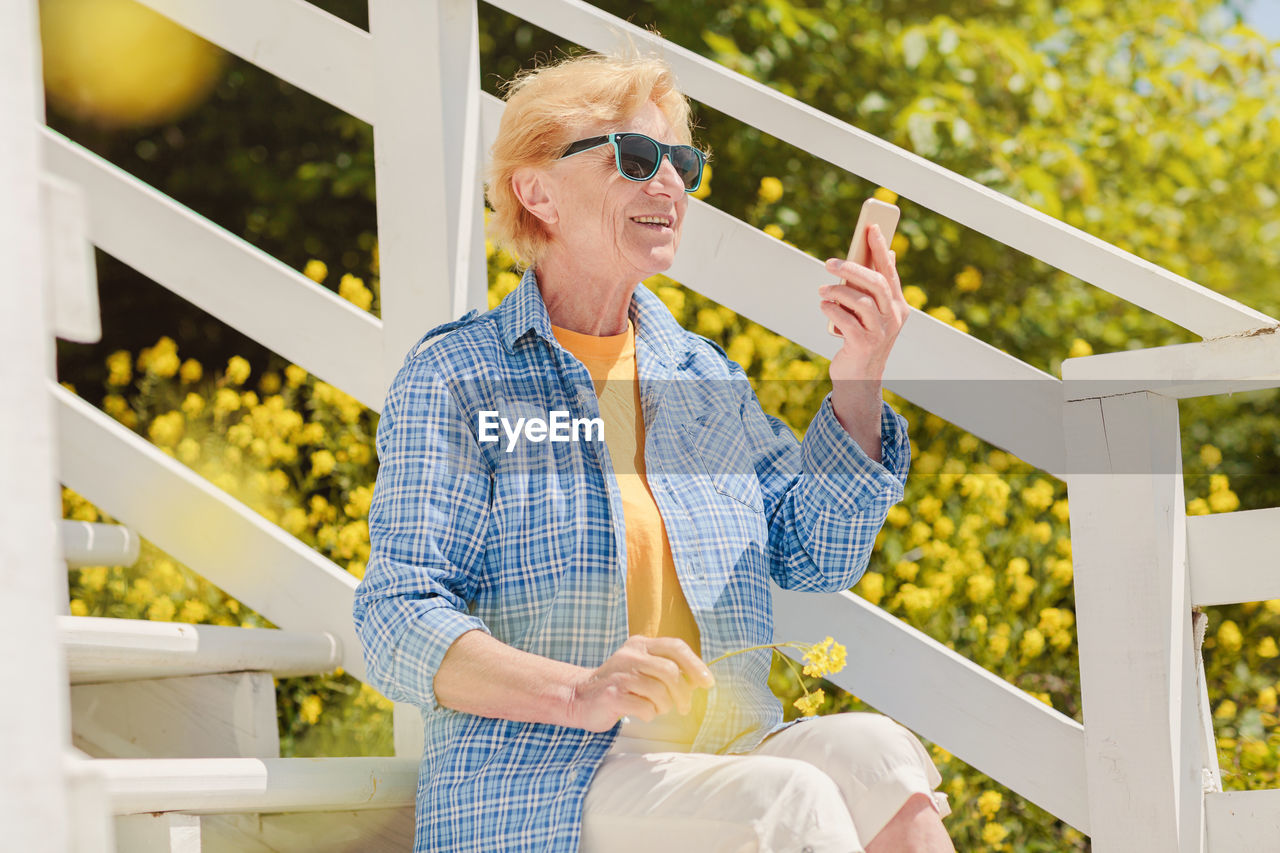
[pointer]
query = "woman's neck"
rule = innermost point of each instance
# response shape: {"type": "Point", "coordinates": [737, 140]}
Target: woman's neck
{"type": "Point", "coordinates": [584, 300]}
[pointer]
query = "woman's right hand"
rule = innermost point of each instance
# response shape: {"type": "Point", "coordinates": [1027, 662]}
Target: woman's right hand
{"type": "Point", "coordinates": [646, 677]}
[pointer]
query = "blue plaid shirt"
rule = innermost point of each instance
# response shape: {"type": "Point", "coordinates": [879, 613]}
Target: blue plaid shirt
{"type": "Point", "coordinates": [528, 544]}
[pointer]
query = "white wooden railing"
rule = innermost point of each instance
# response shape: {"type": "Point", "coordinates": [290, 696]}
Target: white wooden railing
{"type": "Point", "coordinates": [1132, 776]}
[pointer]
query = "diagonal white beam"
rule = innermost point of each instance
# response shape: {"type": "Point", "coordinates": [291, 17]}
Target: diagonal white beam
{"type": "Point", "coordinates": [293, 39]}
{"type": "Point", "coordinates": [220, 538]}
{"type": "Point", "coordinates": [977, 716]}
{"type": "Point", "coordinates": [225, 275]}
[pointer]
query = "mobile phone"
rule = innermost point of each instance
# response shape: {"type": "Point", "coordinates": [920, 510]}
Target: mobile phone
{"type": "Point", "coordinates": [875, 212]}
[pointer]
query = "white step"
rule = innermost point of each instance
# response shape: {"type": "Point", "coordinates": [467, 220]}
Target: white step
{"type": "Point", "coordinates": [234, 785]}
{"type": "Point", "coordinates": [104, 649]}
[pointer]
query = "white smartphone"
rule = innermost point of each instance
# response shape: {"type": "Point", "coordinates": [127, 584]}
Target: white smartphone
{"type": "Point", "coordinates": [875, 212]}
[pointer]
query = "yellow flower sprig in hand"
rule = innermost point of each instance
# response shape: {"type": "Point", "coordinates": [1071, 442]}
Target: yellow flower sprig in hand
{"type": "Point", "coordinates": [820, 659]}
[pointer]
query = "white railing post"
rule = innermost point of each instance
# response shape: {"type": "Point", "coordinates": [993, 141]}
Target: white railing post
{"type": "Point", "coordinates": [34, 727]}
{"type": "Point", "coordinates": [427, 157]}
{"type": "Point", "coordinates": [1133, 604]}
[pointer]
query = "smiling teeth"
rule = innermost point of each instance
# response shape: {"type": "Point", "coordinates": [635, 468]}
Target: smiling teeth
{"type": "Point", "coordinates": [651, 220]}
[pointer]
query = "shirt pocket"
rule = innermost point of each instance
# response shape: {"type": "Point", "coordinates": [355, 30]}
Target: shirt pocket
{"type": "Point", "coordinates": [721, 451]}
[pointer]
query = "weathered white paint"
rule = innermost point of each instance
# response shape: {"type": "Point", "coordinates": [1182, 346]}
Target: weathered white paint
{"type": "Point", "coordinates": [1243, 821]}
{"type": "Point", "coordinates": [69, 272]}
{"type": "Point", "coordinates": [365, 831]}
{"type": "Point", "coordinates": [1223, 366]}
{"type": "Point", "coordinates": [293, 39]}
{"type": "Point", "coordinates": [1235, 556]}
{"type": "Point", "coordinates": [106, 649]}
{"type": "Point", "coordinates": [224, 275]}
{"type": "Point", "coordinates": [159, 833]}
{"type": "Point", "coordinates": [426, 131]}
{"type": "Point", "coordinates": [1211, 774]}
{"type": "Point", "coordinates": [1137, 654]}
{"type": "Point", "coordinates": [87, 544]}
{"type": "Point", "coordinates": [226, 715]}
{"type": "Point", "coordinates": [212, 785]}
{"type": "Point", "coordinates": [90, 827]}
{"type": "Point", "coordinates": [983, 720]}
{"type": "Point", "coordinates": [200, 525]}
{"type": "Point", "coordinates": [1024, 228]}
{"type": "Point", "coordinates": [34, 791]}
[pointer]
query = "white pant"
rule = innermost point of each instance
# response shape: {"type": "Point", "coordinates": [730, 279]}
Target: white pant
{"type": "Point", "coordinates": [821, 786]}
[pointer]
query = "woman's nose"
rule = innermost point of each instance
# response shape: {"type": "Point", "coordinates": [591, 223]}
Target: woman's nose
{"type": "Point", "coordinates": [667, 180]}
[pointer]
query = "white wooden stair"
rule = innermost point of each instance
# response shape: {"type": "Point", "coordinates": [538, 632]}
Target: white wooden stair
{"type": "Point", "coordinates": [101, 650]}
{"type": "Point", "coordinates": [179, 723]}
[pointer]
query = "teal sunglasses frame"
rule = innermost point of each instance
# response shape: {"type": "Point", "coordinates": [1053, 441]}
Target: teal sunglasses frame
{"type": "Point", "coordinates": [664, 150]}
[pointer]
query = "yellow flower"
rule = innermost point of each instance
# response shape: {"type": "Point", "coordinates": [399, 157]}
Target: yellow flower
{"type": "Point", "coordinates": [1229, 637]}
{"type": "Point", "coordinates": [994, 833]}
{"type": "Point", "coordinates": [810, 702]}
{"type": "Point", "coordinates": [294, 376]}
{"type": "Point", "coordinates": [310, 709]}
{"type": "Point", "coordinates": [119, 368]}
{"type": "Point", "coordinates": [269, 383]}
{"type": "Point", "coordinates": [353, 290]}
{"type": "Point", "coordinates": [1199, 506]}
{"type": "Point", "coordinates": [704, 189]}
{"type": "Point", "coordinates": [1210, 456]}
{"type": "Point", "coordinates": [226, 401]}
{"type": "Point", "coordinates": [824, 658]}
{"type": "Point", "coordinates": [191, 371]}
{"type": "Point", "coordinates": [968, 279]}
{"type": "Point", "coordinates": [1267, 699]}
{"type": "Point", "coordinates": [237, 370]}
{"type": "Point", "coordinates": [189, 450]}
{"type": "Point", "coordinates": [999, 644]}
{"type": "Point", "coordinates": [78, 607]}
{"type": "Point", "coordinates": [1224, 501]}
{"type": "Point", "coordinates": [770, 190]}
{"type": "Point", "coordinates": [907, 570]}
{"type": "Point", "coordinates": [161, 610]}
{"type": "Point", "coordinates": [294, 520]}
{"type": "Point", "coordinates": [943, 313]}
{"type": "Point", "coordinates": [316, 270]}
{"type": "Point", "coordinates": [166, 430]}
{"type": "Point", "coordinates": [193, 610]}
{"type": "Point", "coordinates": [193, 405]}
{"type": "Point", "coordinates": [898, 516]}
{"type": "Point", "coordinates": [1079, 348]}
{"type": "Point", "coordinates": [358, 502]}
{"type": "Point", "coordinates": [989, 803]}
{"type": "Point", "coordinates": [1032, 644]}
{"type": "Point", "coordinates": [322, 463]}
{"type": "Point", "coordinates": [871, 587]}
{"type": "Point", "coordinates": [1267, 648]}
{"type": "Point", "coordinates": [915, 297]}
{"type": "Point", "coordinates": [899, 245]}
{"type": "Point", "coordinates": [978, 588]}
{"type": "Point", "coordinates": [1226, 710]}
{"type": "Point", "coordinates": [93, 578]}
{"type": "Point", "coordinates": [886, 195]}
{"type": "Point", "coordinates": [773, 230]}
{"type": "Point", "coordinates": [1061, 510]}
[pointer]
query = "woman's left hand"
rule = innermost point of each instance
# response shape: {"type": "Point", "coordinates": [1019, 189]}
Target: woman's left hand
{"type": "Point", "coordinates": [869, 310]}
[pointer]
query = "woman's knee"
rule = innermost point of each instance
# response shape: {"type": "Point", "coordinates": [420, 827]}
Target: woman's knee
{"type": "Point", "coordinates": [869, 743]}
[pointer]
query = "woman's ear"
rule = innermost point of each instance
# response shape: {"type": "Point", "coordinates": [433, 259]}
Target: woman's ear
{"type": "Point", "coordinates": [533, 188]}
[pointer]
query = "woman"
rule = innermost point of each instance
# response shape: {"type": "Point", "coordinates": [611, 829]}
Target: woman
{"type": "Point", "coordinates": [549, 604]}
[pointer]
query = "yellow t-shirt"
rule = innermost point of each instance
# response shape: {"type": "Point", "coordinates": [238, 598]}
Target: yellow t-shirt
{"type": "Point", "coordinates": [656, 604]}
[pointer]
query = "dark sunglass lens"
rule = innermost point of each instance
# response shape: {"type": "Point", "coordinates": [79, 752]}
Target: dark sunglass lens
{"type": "Point", "coordinates": [688, 163]}
{"type": "Point", "coordinates": [638, 156]}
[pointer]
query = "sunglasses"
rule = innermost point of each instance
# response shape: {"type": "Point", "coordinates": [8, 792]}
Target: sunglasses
{"type": "Point", "coordinates": [638, 157]}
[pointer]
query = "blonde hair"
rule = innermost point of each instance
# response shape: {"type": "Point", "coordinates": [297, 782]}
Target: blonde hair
{"type": "Point", "coordinates": [547, 106]}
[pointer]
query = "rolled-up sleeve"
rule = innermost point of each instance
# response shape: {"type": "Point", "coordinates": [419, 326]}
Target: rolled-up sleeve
{"type": "Point", "coordinates": [827, 499]}
{"type": "Point", "coordinates": [427, 524]}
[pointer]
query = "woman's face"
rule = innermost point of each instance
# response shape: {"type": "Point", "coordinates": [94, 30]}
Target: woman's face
{"type": "Point", "coordinates": [605, 221]}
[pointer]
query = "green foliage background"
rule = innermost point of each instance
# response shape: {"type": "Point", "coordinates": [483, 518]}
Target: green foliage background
{"type": "Point", "coordinates": [1153, 126]}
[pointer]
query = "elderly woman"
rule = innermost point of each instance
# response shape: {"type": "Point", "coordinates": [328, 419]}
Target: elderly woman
{"type": "Point", "coordinates": [549, 604]}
